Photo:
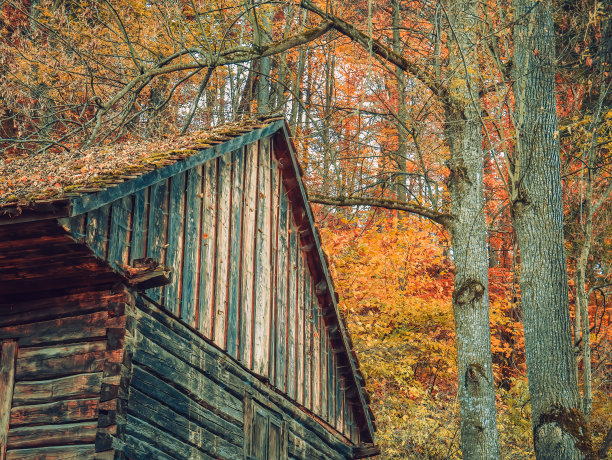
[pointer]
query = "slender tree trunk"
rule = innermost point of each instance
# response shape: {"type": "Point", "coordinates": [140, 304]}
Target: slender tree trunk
{"type": "Point", "coordinates": [479, 438]}
{"type": "Point", "coordinates": [402, 134]}
{"type": "Point", "coordinates": [582, 323]}
{"type": "Point", "coordinates": [559, 428]}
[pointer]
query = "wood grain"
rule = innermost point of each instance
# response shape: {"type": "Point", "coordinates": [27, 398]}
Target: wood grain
{"type": "Point", "coordinates": [8, 356]}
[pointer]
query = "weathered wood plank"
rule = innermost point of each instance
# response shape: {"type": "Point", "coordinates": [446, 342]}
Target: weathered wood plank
{"type": "Point", "coordinates": [281, 293]}
{"type": "Point", "coordinates": [274, 215]}
{"type": "Point", "coordinates": [182, 428]}
{"type": "Point", "coordinates": [222, 370]}
{"type": "Point", "coordinates": [207, 248]}
{"type": "Point", "coordinates": [235, 265]}
{"type": "Point", "coordinates": [331, 389]}
{"type": "Point", "coordinates": [339, 399]}
{"type": "Point", "coordinates": [53, 307]}
{"type": "Point", "coordinates": [68, 411]}
{"type": "Point", "coordinates": [316, 344]}
{"type": "Point", "coordinates": [97, 230]}
{"type": "Point", "coordinates": [248, 254]}
{"type": "Point", "coordinates": [174, 258]}
{"type": "Point", "coordinates": [157, 229]}
{"type": "Point", "coordinates": [140, 225]}
{"type": "Point", "coordinates": [160, 439]}
{"type": "Point", "coordinates": [119, 231]}
{"type": "Point", "coordinates": [58, 330]}
{"type": "Point", "coordinates": [292, 310]}
{"type": "Point", "coordinates": [299, 321]}
{"type": "Point", "coordinates": [224, 190]}
{"type": "Point", "coordinates": [324, 379]}
{"type": "Point", "coordinates": [156, 389]}
{"type": "Point", "coordinates": [76, 226]}
{"type": "Point", "coordinates": [137, 448]}
{"type": "Point", "coordinates": [52, 435]}
{"type": "Point", "coordinates": [308, 331]}
{"type": "Point", "coordinates": [8, 356]}
{"type": "Point", "coordinates": [78, 452]}
{"type": "Point", "coordinates": [164, 364]}
{"type": "Point", "coordinates": [263, 299]}
{"type": "Point", "coordinates": [191, 260]}
{"type": "Point", "coordinates": [46, 362]}
{"type": "Point", "coordinates": [44, 391]}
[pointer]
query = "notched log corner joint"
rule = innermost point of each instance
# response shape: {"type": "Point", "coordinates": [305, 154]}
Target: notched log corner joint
{"type": "Point", "coordinates": [146, 274]}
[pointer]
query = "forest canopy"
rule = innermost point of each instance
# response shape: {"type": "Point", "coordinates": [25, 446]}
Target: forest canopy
{"type": "Point", "coordinates": [459, 155]}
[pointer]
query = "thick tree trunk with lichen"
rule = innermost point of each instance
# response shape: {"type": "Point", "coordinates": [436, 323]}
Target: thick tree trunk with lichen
{"type": "Point", "coordinates": [537, 212]}
{"type": "Point", "coordinates": [479, 438]}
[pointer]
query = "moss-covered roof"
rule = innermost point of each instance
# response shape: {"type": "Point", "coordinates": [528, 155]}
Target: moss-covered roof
{"type": "Point", "coordinates": [55, 175]}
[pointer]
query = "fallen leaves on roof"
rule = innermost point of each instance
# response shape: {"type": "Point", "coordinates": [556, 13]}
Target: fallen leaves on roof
{"type": "Point", "coordinates": [55, 175]}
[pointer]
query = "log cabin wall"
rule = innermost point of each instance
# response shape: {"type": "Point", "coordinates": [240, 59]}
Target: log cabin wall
{"type": "Point", "coordinates": [241, 276]}
{"type": "Point", "coordinates": [67, 374]}
{"type": "Point", "coordinates": [189, 399]}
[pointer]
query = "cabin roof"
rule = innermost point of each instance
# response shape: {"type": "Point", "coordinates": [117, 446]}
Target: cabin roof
{"type": "Point", "coordinates": [28, 179]}
{"type": "Point", "coordinates": [65, 184]}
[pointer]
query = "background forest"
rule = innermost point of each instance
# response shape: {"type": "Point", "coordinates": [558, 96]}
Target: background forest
{"type": "Point", "coordinates": [410, 118]}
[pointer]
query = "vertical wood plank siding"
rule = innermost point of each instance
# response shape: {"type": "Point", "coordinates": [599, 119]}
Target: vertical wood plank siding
{"type": "Point", "coordinates": [235, 266]}
{"type": "Point", "coordinates": [240, 275]}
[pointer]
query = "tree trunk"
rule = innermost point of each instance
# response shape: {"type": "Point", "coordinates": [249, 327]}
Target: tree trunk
{"type": "Point", "coordinates": [402, 135]}
{"type": "Point", "coordinates": [537, 214]}
{"type": "Point", "coordinates": [479, 438]}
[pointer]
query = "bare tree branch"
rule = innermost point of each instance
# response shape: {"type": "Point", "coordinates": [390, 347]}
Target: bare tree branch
{"type": "Point", "coordinates": [446, 220]}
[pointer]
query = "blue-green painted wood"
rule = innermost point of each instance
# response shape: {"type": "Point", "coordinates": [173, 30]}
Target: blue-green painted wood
{"type": "Point", "coordinates": [316, 355]}
{"type": "Point", "coordinates": [274, 208]}
{"type": "Point", "coordinates": [97, 230]}
{"type": "Point", "coordinates": [119, 232]}
{"type": "Point", "coordinates": [331, 390]}
{"type": "Point", "coordinates": [181, 417]}
{"type": "Point", "coordinates": [338, 394]}
{"type": "Point", "coordinates": [249, 221]}
{"type": "Point", "coordinates": [324, 388]}
{"type": "Point", "coordinates": [159, 437]}
{"type": "Point", "coordinates": [191, 257]}
{"type": "Point", "coordinates": [222, 248]}
{"type": "Point", "coordinates": [307, 340]}
{"type": "Point", "coordinates": [76, 227]}
{"type": "Point", "coordinates": [139, 224]}
{"type": "Point", "coordinates": [158, 222]}
{"type": "Point", "coordinates": [206, 297]}
{"type": "Point", "coordinates": [299, 323]}
{"type": "Point", "coordinates": [174, 258]}
{"type": "Point", "coordinates": [86, 203]}
{"type": "Point", "coordinates": [292, 314]}
{"type": "Point", "coordinates": [261, 331]}
{"type": "Point", "coordinates": [281, 292]}
{"type": "Point", "coordinates": [233, 308]}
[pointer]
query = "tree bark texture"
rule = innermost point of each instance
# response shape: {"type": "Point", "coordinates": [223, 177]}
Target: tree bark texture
{"type": "Point", "coordinates": [479, 438]}
{"type": "Point", "coordinates": [537, 212]}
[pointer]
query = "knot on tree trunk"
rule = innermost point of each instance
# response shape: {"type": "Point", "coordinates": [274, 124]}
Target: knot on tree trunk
{"type": "Point", "coordinates": [473, 376]}
{"type": "Point", "coordinates": [471, 290]}
{"type": "Point", "coordinates": [458, 175]}
{"type": "Point", "coordinates": [559, 423]}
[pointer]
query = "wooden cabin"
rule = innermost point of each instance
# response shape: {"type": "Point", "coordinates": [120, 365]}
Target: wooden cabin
{"type": "Point", "coordinates": [171, 300]}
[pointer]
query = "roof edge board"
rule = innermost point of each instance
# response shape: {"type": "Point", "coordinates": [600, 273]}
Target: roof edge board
{"type": "Point", "coordinates": [85, 203]}
{"type": "Point", "coordinates": [330, 285]}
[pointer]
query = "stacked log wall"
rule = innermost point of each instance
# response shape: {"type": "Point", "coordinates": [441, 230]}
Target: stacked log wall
{"type": "Point", "coordinates": [234, 236]}
{"type": "Point", "coordinates": [70, 378]}
{"type": "Point", "coordinates": [189, 399]}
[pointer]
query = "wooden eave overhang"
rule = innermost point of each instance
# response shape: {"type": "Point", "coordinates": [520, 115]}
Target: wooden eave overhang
{"type": "Point", "coordinates": [76, 204]}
